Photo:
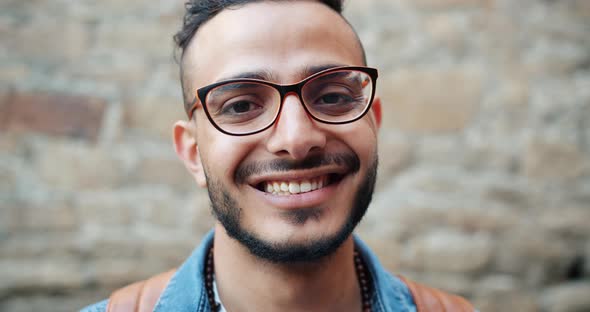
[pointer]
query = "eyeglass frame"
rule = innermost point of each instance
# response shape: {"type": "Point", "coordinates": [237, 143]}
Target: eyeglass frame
{"type": "Point", "coordinates": [284, 90]}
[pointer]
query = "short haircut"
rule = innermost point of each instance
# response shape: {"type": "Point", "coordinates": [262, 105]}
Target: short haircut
{"type": "Point", "coordinates": [200, 11]}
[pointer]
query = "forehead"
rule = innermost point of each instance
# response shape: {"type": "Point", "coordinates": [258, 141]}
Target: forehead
{"type": "Point", "coordinates": [281, 38]}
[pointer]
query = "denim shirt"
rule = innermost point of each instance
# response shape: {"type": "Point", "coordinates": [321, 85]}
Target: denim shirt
{"type": "Point", "coordinates": [186, 290]}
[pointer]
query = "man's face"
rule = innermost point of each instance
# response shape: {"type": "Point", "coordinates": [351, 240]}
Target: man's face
{"type": "Point", "coordinates": [284, 43]}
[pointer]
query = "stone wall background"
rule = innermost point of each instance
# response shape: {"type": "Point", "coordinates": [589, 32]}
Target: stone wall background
{"type": "Point", "coordinates": [484, 185]}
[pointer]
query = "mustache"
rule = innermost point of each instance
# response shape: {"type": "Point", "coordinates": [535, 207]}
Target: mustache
{"type": "Point", "coordinates": [348, 160]}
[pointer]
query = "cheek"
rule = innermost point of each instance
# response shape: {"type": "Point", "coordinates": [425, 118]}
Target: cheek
{"type": "Point", "coordinates": [222, 154]}
{"type": "Point", "coordinates": [362, 139]}
{"type": "Point", "coordinates": [367, 151]}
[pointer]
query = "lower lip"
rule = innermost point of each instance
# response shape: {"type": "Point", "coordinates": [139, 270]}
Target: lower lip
{"type": "Point", "coordinates": [301, 200]}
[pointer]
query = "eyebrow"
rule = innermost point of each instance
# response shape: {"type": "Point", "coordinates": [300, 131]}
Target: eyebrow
{"type": "Point", "coordinates": [268, 76]}
{"type": "Point", "coordinates": [229, 87]}
{"type": "Point", "coordinates": [259, 74]}
{"type": "Point", "coordinates": [310, 70]}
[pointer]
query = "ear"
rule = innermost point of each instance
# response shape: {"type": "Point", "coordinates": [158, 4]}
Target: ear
{"type": "Point", "coordinates": [376, 108]}
{"type": "Point", "coordinates": [185, 146]}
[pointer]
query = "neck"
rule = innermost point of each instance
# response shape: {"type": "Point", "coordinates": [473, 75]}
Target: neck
{"type": "Point", "coordinates": [248, 283]}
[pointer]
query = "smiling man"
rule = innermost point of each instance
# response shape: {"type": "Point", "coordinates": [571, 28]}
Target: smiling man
{"type": "Point", "coordinates": [282, 131]}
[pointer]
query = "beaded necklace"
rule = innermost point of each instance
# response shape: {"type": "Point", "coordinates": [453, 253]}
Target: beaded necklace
{"type": "Point", "coordinates": [359, 267]}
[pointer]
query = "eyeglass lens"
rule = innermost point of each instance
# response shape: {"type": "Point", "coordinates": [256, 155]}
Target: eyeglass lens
{"type": "Point", "coordinates": [243, 107]}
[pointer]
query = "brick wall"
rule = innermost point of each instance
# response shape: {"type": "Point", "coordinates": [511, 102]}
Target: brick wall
{"type": "Point", "coordinates": [484, 185]}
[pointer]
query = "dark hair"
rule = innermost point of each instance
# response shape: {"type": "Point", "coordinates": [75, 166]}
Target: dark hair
{"type": "Point", "coordinates": [200, 11]}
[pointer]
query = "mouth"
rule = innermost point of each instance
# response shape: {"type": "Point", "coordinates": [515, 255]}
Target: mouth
{"type": "Point", "coordinates": [287, 187]}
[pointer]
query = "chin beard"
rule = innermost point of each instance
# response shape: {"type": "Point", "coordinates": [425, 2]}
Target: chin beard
{"type": "Point", "coordinates": [227, 211]}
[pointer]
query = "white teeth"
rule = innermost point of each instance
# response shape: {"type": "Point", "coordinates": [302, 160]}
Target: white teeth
{"type": "Point", "coordinates": [305, 186]}
{"type": "Point", "coordinates": [294, 187]}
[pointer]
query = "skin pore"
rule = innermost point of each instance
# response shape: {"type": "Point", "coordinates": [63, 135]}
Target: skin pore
{"type": "Point", "coordinates": [292, 37]}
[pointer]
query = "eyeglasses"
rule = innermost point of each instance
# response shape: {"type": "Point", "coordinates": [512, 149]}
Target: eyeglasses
{"type": "Point", "coordinates": [247, 106]}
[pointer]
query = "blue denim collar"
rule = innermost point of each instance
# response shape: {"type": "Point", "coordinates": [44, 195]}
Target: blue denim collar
{"type": "Point", "coordinates": [391, 294]}
{"type": "Point", "coordinates": [186, 289]}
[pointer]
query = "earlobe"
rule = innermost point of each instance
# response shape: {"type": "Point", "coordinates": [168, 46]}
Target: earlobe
{"type": "Point", "coordinates": [185, 146]}
{"type": "Point", "coordinates": [376, 108]}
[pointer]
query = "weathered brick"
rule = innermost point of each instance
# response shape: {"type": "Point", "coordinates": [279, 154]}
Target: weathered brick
{"type": "Point", "coordinates": [41, 274]}
{"type": "Point", "coordinates": [581, 7]}
{"type": "Point", "coordinates": [488, 217]}
{"type": "Point", "coordinates": [56, 114]}
{"type": "Point", "coordinates": [446, 100]}
{"type": "Point", "coordinates": [203, 219]}
{"type": "Point", "coordinates": [163, 171]}
{"type": "Point", "coordinates": [154, 116]}
{"type": "Point", "coordinates": [9, 217]}
{"type": "Point", "coordinates": [449, 4]}
{"type": "Point", "coordinates": [114, 11]}
{"type": "Point", "coordinates": [171, 253]}
{"type": "Point", "coordinates": [503, 293]}
{"type": "Point", "coordinates": [106, 209]}
{"type": "Point", "coordinates": [41, 244]}
{"type": "Point", "coordinates": [46, 39]}
{"type": "Point", "coordinates": [514, 301]}
{"type": "Point", "coordinates": [447, 251]}
{"type": "Point", "coordinates": [71, 301]}
{"type": "Point", "coordinates": [12, 73]}
{"type": "Point", "coordinates": [77, 166]}
{"type": "Point", "coordinates": [128, 247]}
{"type": "Point", "coordinates": [549, 160]}
{"type": "Point", "coordinates": [122, 68]}
{"type": "Point", "coordinates": [565, 220]}
{"type": "Point", "coordinates": [11, 144]}
{"type": "Point", "coordinates": [568, 297]}
{"type": "Point", "coordinates": [163, 210]}
{"type": "Point", "coordinates": [446, 32]}
{"type": "Point", "coordinates": [8, 181]}
{"type": "Point", "coordinates": [509, 195]}
{"type": "Point", "coordinates": [395, 154]}
{"type": "Point", "coordinates": [529, 252]}
{"type": "Point", "coordinates": [51, 215]}
{"type": "Point", "coordinates": [134, 35]}
{"type": "Point", "coordinates": [5, 101]}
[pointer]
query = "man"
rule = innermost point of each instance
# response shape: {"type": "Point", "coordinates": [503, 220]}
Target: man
{"type": "Point", "coordinates": [282, 131]}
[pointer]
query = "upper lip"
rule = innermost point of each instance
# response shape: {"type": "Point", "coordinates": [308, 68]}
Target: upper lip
{"type": "Point", "coordinates": [295, 175]}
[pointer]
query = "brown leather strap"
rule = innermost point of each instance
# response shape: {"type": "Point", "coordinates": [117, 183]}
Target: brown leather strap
{"type": "Point", "coordinates": [429, 299]}
{"type": "Point", "coordinates": [141, 296]}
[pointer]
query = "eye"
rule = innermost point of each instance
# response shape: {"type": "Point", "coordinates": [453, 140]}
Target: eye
{"type": "Point", "coordinates": [335, 98]}
{"type": "Point", "coordinates": [239, 107]}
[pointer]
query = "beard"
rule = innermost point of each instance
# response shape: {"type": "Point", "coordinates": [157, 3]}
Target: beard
{"type": "Point", "coordinates": [227, 211]}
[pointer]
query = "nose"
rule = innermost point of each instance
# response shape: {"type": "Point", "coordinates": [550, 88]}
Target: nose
{"type": "Point", "coordinates": [295, 133]}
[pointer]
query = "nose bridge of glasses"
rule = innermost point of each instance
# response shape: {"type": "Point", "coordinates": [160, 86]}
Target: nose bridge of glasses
{"type": "Point", "coordinates": [286, 90]}
{"type": "Point", "coordinates": [292, 90]}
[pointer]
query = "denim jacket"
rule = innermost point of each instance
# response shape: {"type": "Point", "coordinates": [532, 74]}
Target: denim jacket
{"type": "Point", "coordinates": [186, 290]}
